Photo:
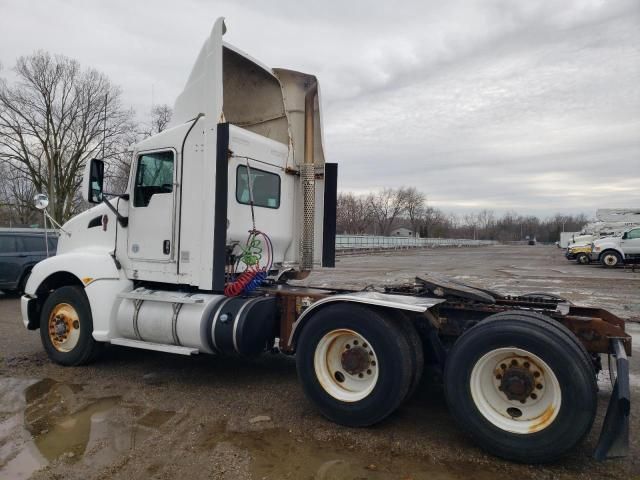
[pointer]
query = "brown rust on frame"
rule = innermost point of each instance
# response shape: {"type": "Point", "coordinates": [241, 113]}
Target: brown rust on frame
{"type": "Point", "coordinates": [292, 301]}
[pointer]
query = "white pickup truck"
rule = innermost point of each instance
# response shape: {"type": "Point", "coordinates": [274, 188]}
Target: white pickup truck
{"type": "Point", "coordinates": [614, 251]}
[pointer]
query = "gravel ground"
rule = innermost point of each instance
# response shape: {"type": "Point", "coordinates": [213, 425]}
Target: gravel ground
{"type": "Point", "coordinates": [140, 414]}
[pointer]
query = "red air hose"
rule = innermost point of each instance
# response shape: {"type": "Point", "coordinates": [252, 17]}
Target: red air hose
{"type": "Point", "coordinates": [236, 287]}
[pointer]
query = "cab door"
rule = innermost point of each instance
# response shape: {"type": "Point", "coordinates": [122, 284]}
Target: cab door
{"type": "Point", "coordinates": [631, 244]}
{"type": "Point", "coordinates": [152, 208]}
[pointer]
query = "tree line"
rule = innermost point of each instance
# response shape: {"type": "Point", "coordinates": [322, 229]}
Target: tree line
{"type": "Point", "coordinates": [54, 117]}
{"type": "Point", "coordinates": [381, 212]}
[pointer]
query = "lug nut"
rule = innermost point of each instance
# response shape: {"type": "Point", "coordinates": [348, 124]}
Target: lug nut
{"type": "Point", "coordinates": [369, 372]}
{"type": "Point", "coordinates": [539, 386]}
{"type": "Point", "coordinates": [526, 364]}
{"type": "Point", "coordinates": [364, 345]}
{"type": "Point", "coordinates": [347, 346]}
{"type": "Point", "coordinates": [373, 363]}
{"type": "Point", "coordinates": [498, 377]}
{"type": "Point", "coordinates": [355, 342]}
{"type": "Point", "coordinates": [514, 362]}
{"type": "Point", "coordinates": [536, 374]}
{"type": "Point", "coordinates": [503, 366]}
{"type": "Point", "coordinates": [360, 375]}
{"type": "Point", "coordinates": [534, 396]}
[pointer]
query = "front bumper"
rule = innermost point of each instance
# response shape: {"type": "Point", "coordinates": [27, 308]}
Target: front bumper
{"type": "Point", "coordinates": [29, 312]}
{"type": "Point", "coordinates": [595, 256]}
{"type": "Point", "coordinates": [570, 256]}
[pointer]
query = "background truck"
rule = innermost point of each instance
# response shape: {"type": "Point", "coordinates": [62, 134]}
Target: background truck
{"type": "Point", "coordinates": [232, 202]}
{"type": "Point", "coordinates": [614, 251]}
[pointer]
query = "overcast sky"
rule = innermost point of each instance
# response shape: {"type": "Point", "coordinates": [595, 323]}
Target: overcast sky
{"type": "Point", "coordinates": [525, 105]}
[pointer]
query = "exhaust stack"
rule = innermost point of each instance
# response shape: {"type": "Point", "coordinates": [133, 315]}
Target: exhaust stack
{"type": "Point", "coordinates": [308, 178]}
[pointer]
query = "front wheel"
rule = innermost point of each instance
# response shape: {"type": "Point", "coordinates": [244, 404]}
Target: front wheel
{"type": "Point", "coordinates": [522, 389]}
{"type": "Point", "coordinates": [610, 259]}
{"type": "Point", "coordinates": [66, 327]}
{"type": "Point", "coordinates": [583, 259]}
{"type": "Point", "coordinates": [355, 364]}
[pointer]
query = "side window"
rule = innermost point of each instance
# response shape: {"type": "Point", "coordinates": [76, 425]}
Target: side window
{"type": "Point", "coordinates": [265, 187]}
{"type": "Point", "coordinates": [8, 244]}
{"type": "Point", "coordinates": [633, 234]}
{"type": "Point", "coordinates": [154, 175]}
{"type": "Point", "coordinates": [53, 244]}
{"type": "Point", "coordinates": [33, 243]}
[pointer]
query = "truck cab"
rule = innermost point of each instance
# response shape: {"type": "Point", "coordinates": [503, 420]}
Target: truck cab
{"type": "Point", "coordinates": [614, 251]}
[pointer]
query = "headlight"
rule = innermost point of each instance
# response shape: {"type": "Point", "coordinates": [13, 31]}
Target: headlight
{"type": "Point", "coordinates": [596, 249]}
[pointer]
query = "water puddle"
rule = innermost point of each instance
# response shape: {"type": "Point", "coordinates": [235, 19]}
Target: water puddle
{"type": "Point", "coordinates": [44, 421]}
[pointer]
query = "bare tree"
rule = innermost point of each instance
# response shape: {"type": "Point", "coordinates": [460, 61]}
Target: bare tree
{"type": "Point", "coordinates": [53, 119]}
{"type": "Point", "coordinates": [386, 206]}
{"type": "Point", "coordinates": [414, 207]}
{"type": "Point", "coordinates": [353, 213]}
{"type": "Point", "coordinates": [16, 198]}
{"type": "Point", "coordinates": [158, 121]}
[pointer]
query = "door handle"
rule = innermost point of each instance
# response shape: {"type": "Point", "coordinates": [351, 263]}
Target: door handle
{"type": "Point", "coordinates": [166, 247]}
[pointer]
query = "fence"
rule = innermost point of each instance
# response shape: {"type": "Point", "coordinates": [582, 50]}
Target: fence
{"type": "Point", "coordinates": [345, 243]}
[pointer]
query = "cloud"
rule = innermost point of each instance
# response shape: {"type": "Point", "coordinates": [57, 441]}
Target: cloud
{"type": "Point", "coordinates": [495, 104]}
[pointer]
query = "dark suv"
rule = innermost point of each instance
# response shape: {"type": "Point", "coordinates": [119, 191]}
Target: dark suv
{"type": "Point", "coordinates": [20, 250]}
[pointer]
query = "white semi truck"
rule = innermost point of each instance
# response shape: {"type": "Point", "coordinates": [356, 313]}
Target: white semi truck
{"type": "Point", "coordinates": [233, 201]}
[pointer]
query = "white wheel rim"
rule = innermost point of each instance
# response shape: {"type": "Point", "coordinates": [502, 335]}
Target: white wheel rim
{"type": "Point", "coordinates": [543, 399]}
{"type": "Point", "coordinates": [346, 365]}
{"type": "Point", "coordinates": [610, 259]}
{"type": "Point", "coordinates": [64, 327]}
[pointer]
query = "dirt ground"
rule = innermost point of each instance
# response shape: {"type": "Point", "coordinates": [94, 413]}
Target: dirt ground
{"type": "Point", "coordinates": [142, 414]}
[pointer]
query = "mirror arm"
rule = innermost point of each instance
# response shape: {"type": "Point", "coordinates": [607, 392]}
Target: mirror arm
{"type": "Point", "coordinates": [123, 221]}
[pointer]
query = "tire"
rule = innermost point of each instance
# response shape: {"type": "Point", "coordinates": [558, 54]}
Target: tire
{"type": "Point", "coordinates": [362, 397]}
{"type": "Point", "coordinates": [583, 259]}
{"type": "Point", "coordinates": [73, 344]}
{"type": "Point", "coordinates": [553, 324]}
{"type": "Point", "coordinates": [610, 259]}
{"type": "Point", "coordinates": [415, 348]}
{"type": "Point", "coordinates": [546, 409]}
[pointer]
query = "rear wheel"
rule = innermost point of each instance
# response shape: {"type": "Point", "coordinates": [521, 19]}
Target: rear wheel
{"type": "Point", "coordinates": [66, 327]}
{"type": "Point", "coordinates": [610, 259]}
{"type": "Point", "coordinates": [521, 387]}
{"type": "Point", "coordinates": [354, 363]}
{"type": "Point", "coordinates": [583, 259]}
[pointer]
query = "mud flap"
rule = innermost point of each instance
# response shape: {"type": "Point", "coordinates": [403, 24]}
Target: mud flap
{"type": "Point", "coordinates": [614, 437]}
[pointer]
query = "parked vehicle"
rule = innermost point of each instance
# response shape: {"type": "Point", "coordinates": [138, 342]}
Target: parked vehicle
{"type": "Point", "coordinates": [20, 250]}
{"type": "Point", "coordinates": [614, 251]}
{"type": "Point", "coordinates": [580, 252]}
{"type": "Point", "coordinates": [172, 269]}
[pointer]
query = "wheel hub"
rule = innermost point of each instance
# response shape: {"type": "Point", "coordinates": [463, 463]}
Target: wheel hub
{"type": "Point", "coordinates": [60, 327]}
{"type": "Point", "coordinates": [355, 360]}
{"type": "Point", "coordinates": [64, 327]}
{"type": "Point", "coordinates": [517, 383]}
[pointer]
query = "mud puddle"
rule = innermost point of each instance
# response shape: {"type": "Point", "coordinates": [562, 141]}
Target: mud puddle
{"type": "Point", "coordinates": [43, 421]}
{"type": "Point", "coordinates": [277, 454]}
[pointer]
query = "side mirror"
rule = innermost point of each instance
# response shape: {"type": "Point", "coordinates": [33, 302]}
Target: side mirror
{"type": "Point", "coordinates": [41, 201]}
{"type": "Point", "coordinates": [93, 181]}
{"type": "Point", "coordinates": [624, 236]}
